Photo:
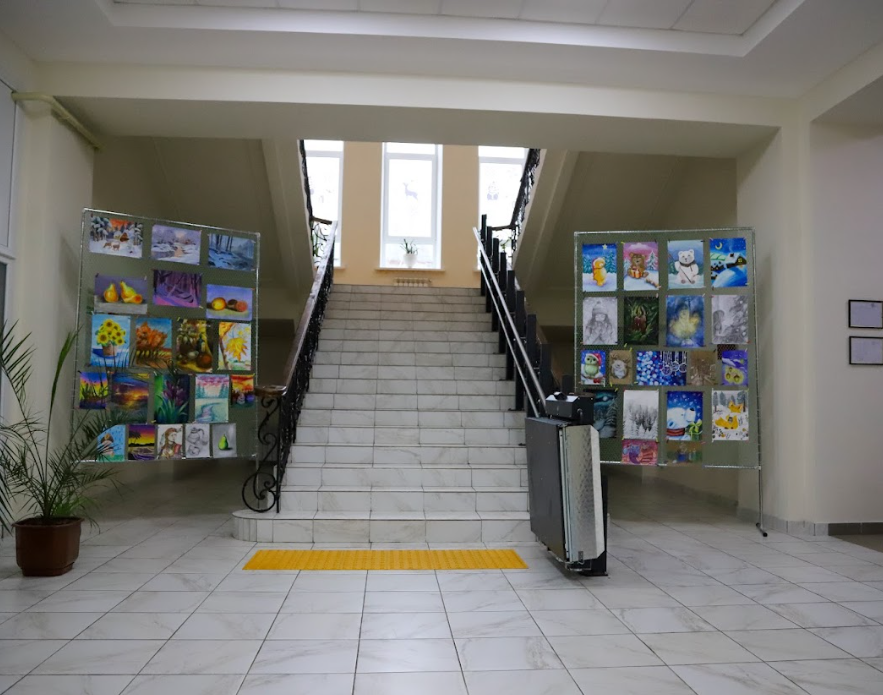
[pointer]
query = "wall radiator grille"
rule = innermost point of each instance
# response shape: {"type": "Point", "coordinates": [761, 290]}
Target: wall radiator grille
{"type": "Point", "coordinates": [412, 282]}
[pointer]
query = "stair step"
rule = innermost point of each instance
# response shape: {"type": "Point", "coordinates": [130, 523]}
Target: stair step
{"type": "Point", "coordinates": [477, 323]}
{"type": "Point", "coordinates": [367, 527]}
{"type": "Point", "coordinates": [412, 387]}
{"type": "Point", "coordinates": [411, 418]}
{"type": "Point", "coordinates": [370, 476]}
{"type": "Point", "coordinates": [390, 401]}
{"type": "Point", "coordinates": [407, 455]}
{"type": "Point", "coordinates": [408, 359]}
{"type": "Point", "coordinates": [471, 347]}
{"type": "Point", "coordinates": [371, 435]}
{"type": "Point", "coordinates": [408, 373]}
{"type": "Point", "coordinates": [333, 498]}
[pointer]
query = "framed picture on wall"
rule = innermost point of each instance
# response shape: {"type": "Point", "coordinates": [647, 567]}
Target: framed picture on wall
{"type": "Point", "coordinates": [867, 351]}
{"type": "Point", "coordinates": [865, 313]}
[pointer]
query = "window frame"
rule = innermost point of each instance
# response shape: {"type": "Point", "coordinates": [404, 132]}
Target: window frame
{"type": "Point", "coordinates": [312, 150]}
{"type": "Point", "coordinates": [434, 240]}
{"type": "Point", "coordinates": [497, 159]}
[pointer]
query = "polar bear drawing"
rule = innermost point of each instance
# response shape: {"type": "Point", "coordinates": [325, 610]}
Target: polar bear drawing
{"type": "Point", "coordinates": [686, 267]}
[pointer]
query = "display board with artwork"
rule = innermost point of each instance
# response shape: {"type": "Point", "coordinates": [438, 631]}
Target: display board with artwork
{"type": "Point", "coordinates": [168, 341]}
{"type": "Point", "coordinates": [665, 339]}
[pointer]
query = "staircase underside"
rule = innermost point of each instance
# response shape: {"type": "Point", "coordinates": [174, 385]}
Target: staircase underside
{"type": "Point", "coordinates": [405, 436]}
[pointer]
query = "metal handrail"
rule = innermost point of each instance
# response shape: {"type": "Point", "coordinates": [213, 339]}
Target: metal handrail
{"type": "Point", "coordinates": [510, 332]}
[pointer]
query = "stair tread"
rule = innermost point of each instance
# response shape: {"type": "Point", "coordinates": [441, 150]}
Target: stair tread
{"type": "Point", "coordinates": [392, 516]}
{"type": "Point", "coordinates": [399, 488]}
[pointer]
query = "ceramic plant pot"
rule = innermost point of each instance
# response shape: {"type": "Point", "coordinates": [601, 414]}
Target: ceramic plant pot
{"type": "Point", "coordinates": [410, 260]}
{"type": "Point", "coordinates": [47, 548]}
{"type": "Point", "coordinates": [109, 350]}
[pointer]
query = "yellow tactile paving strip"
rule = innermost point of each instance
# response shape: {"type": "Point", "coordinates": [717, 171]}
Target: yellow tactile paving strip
{"type": "Point", "coordinates": [385, 560]}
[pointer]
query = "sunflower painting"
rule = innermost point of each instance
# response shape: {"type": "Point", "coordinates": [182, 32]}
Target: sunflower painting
{"type": "Point", "coordinates": [110, 341]}
{"type": "Point", "coordinates": [234, 346]}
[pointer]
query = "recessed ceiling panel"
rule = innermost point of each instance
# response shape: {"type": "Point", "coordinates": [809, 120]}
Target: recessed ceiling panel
{"type": "Point", "coordinates": [722, 16]}
{"type": "Point", "coordinates": [644, 14]}
{"type": "Point", "coordinates": [493, 9]}
{"type": "Point", "coordinates": [577, 11]}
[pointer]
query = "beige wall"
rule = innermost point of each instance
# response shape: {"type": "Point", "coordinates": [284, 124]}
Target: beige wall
{"type": "Point", "coordinates": [360, 218]}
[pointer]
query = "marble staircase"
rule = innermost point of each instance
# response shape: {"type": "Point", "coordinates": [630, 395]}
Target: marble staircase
{"type": "Point", "coordinates": [406, 434]}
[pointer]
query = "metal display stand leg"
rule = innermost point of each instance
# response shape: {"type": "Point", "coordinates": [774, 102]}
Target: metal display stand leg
{"type": "Point", "coordinates": [759, 523]}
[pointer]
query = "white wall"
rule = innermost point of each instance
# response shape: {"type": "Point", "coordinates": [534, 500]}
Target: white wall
{"type": "Point", "coordinates": [847, 237]}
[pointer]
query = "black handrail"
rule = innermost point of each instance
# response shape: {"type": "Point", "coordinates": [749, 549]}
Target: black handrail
{"type": "Point", "coordinates": [262, 490]}
{"type": "Point", "coordinates": [525, 355]}
{"type": "Point", "coordinates": [320, 228]}
{"type": "Point", "coordinates": [522, 200]}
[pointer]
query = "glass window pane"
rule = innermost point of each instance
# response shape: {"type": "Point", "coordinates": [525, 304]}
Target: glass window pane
{"type": "Point", "coordinates": [409, 148]}
{"type": "Point", "coordinates": [409, 193]}
{"type": "Point", "coordinates": [324, 173]}
{"type": "Point", "coordinates": [394, 256]}
{"type": "Point", "coordinates": [498, 189]}
{"type": "Point", "coordinates": [323, 145]}
{"type": "Point", "coordinates": [516, 153]}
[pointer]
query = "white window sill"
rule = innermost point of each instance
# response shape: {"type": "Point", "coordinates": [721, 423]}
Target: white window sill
{"type": "Point", "coordinates": [395, 269]}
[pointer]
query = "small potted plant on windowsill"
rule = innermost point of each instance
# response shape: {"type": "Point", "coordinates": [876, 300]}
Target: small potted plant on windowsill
{"type": "Point", "coordinates": [41, 475]}
{"type": "Point", "coordinates": [410, 253]}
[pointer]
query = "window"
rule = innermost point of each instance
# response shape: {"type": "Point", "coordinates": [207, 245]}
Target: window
{"type": "Point", "coordinates": [411, 186]}
{"type": "Point", "coordinates": [499, 178]}
{"type": "Point", "coordinates": [325, 169]}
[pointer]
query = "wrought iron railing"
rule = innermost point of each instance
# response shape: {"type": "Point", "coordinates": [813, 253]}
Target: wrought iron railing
{"type": "Point", "coordinates": [528, 361]}
{"type": "Point", "coordinates": [510, 234]}
{"type": "Point", "coordinates": [282, 404]}
{"type": "Point", "coordinates": [320, 228]}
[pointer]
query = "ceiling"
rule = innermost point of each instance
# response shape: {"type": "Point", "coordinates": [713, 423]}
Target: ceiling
{"type": "Point", "coordinates": [763, 48]}
{"type": "Point", "coordinates": [733, 17]}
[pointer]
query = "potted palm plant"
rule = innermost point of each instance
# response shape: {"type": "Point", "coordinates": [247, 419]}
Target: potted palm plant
{"type": "Point", "coordinates": [41, 472]}
{"type": "Point", "coordinates": [410, 253]}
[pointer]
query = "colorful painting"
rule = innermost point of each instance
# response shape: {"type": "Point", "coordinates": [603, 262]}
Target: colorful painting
{"type": "Point", "coordinates": [109, 346]}
{"type": "Point", "coordinates": [197, 441]}
{"type": "Point", "coordinates": [171, 398]}
{"type": "Point", "coordinates": [173, 288]}
{"type": "Point", "coordinates": [228, 302]}
{"type": "Point", "coordinates": [729, 319]}
{"type": "Point", "coordinates": [130, 394]}
{"type": "Point", "coordinates": [142, 442]}
{"type": "Point", "coordinates": [640, 414]}
{"type": "Point", "coordinates": [153, 343]}
{"type": "Point", "coordinates": [729, 262]}
{"type": "Point", "coordinates": [112, 444]}
{"type": "Point", "coordinates": [212, 398]}
{"type": "Point", "coordinates": [170, 441]}
{"type": "Point", "coordinates": [114, 236]}
{"type": "Point", "coordinates": [622, 367]}
{"type": "Point", "coordinates": [685, 321]}
{"type": "Point", "coordinates": [606, 414]}
{"type": "Point", "coordinates": [702, 368]}
{"type": "Point", "coordinates": [175, 245]}
{"type": "Point", "coordinates": [734, 368]}
{"type": "Point", "coordinates": [683, 453]}
{"type": "Point", "coordinates": [599, 268]}
{"type": "Point", "coordinates": [599, 321]}
{"type": "Point", "coordinates": [686, 265]}
{"type": "Point", "coordinates": [231, 252]}
{"type": "Point", "coordinates": [194, 349]}
{"type": "Point", "coordinates": [593, 367]}
{"type": "Point", "coordinates": [641, 321]}
{"type": "Point", "coordinates": [93, 391]}
{"type": "Point", "coordinates": [224, 440]}
{"type": "Point", "coordinates": [242, 390]}
{"type": "Point", "coordinates": [234, 346]}
{"type": "Point", "coordinates": [122, 295]}
{"type": "Point", "coordinates": [661, 368]}
{"type": "Point", "coordinates": [729, 416]}
{"type": "Point", "coordinates": [683, 416]}
{"type": "Point", "coordinates": [640, 266]}
{"type": "Point", "coordinates": [639, 452]}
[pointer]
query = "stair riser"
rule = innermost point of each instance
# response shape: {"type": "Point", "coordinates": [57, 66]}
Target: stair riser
{"type": "Point", "coordinates": [408, 436]}
{"type": "Point", "coordinates": [383, 502]}
{"type": "Point", "coordinates": [412, 387]}
{"type": "Point", "coordinates": [342, 401]}
{"type": "Point", "coordinates": [369, 477]}
{"type": "Point", "coordinates": [406, 359]}
{"type": "Point", "coordinates": [269, 530]}
{"type": "Point", "coordinates": [410, 418]}
{"type": "Point", "coordinates": [477, 325]}
{"type": "Point", "coordinates": [426, 347]}
{"type": "Point", "coordinates": [407, 456]}
{"type": "Point", "coordinates": [407, 372]}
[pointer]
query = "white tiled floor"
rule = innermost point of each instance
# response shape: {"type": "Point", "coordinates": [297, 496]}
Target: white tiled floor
{"type": "Point", "coordinates": [697, 603]}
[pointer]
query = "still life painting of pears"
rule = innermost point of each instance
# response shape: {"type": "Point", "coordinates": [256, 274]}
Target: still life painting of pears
{"type": "Point", "coordinates": [122, 295]}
